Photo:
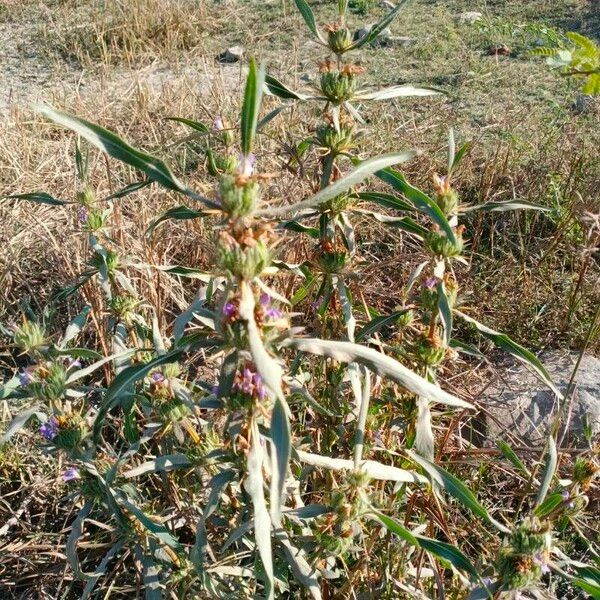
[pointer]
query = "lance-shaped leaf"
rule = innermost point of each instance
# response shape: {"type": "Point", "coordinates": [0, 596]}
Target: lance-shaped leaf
{"type": "Point", "coordinates": [420, 200]}
{"type": "Point", "coordinates": [386, 200]}
{"type": "Point", "coordinates": [379, 27]}
{"type": "Point", "coordinates": [276, 88]}
{"type": "Point", "coordinates": [102, 567]}
{"type": "Point", "coordinates": [271, 374]}
{"type": "Point", "coordinates": [309, 18]}
{"type": "Point", "coordinates": [372, 468]}
{"type": "Point", "coordinates": [114, 146]}
{"type": "Point", "coordinates": [549, 471]}
{"type": "Point", "coordinates": [251, 106]}
{"type": "Point", "coordinates": [262, 521]}
{"type": "Point", "coordinates": [159, 531]}
{"type": "Point", "coordinates": [128, 189]}
{"type": "Point", "coordinates": [38, 198]}
{"type": "Point", "coordinates": [378, 363]}
{"type": "Point", "coordinates": [504, 206]}
{"type": "Point", "coordinates": [404, 223]}
{"type": "Point", "coordinates": [457, 489]}
{"type": "Point", "coordinates": [442, 550]}
{"type": "Point", "coordinates": [195, 125]}
{"type": "Point", "coordinates": [20, 421]}
{"type": "Point", "coordinates": [161, 464]}
{"type": "Point", "coordinates": [363, 170]}
{"type": "Point", "coordinates": [374, 325]}
{"type": "Point", "coordinates": [75, 326]}
{"type": "Point", "coordinates": [76, 532]}
{"type": "Point", "coordinates": [445, 312]}
{"type": "Point", "coordinates": [519, 352]}
{"type": "Point", "coordinates": [177, 213]}
{"type": "Point", "coordinates": [396, 91]}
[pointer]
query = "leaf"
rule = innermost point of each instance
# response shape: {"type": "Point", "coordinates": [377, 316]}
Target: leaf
{"type": "Point", "coordinates": [405, 223]}
{"type": "Point", "coordinates": [397, 91]}
{"type": "Point", "coordinates": [161, 464]}
{"type": "Point", "coordinates": [519, 352]}
{"type": "Point", "coordinates": [195, 125]}
{"type": "Point", "coordinates": [309, 18]}
{"type": "Point", "coordinates": [20, 421]}
{"type": "Point", "coordinates": [420, 200]}
{"type": "Point", "coordinates": [152, 588]}
{"type": "Point", "coordinates": [442, 550]}
{"type": "Point", "coordinates": [445, 312]}
{"type": "Point", "coordinates": [363, 170]}
{"type": "Point", "coordinates": [457, 489]}
{"type": "Point", "coordinates": [379, 27]}
{"type": "Point", "coordinates": [386, 200]}
{"type": "Point", "coordinates": [114, 146]}
{"type": "Point", "coordinates": [281, 438]}
{"type": "Point", "coordinates": [313, 232]}
{"type": "Point", "coordinates": [275, 87]}
{"type": "Point", "coordinates": [159, 531]}
{"type": "Point", "coordinates": [262, 521]}
{"type": "Point", "coordinates": [101, 568]}
{"type": "Point", "coordinates": [378, 323]}
{"type": "Point", "coordinates": [504, 206]}
{"type": "Point", "coordinates": [462, 151]}
{"type": "Point", "coordinates": [251, 106]}
{"type": "Point", "coordinates": [394, 527]}
{"type": "Point", "coordinates": [7, 388]}
{"type": "Point", "coordinates": [38, 198]}
{"type": "Point", "coordinates": [217, 486]}
{"type": "Point", "coordinates": [549, 472]}
{"type": "Point", "coordinates": [71, 544]}
{"type": "Point", "coordinates": [377, 363]}
{"type": "Point", "coordinates": [449, 553]}
{"type": "Point", "coordinates": [75, 326]}
{"type": "Point", "coordinates": [129, 189]}
{"type": "Point", "coordinates": [178, 213]}
{"type": "Point", "coordinates": [511, 456]}
{"type": "Point", "coordinates": [549, 504]}
{"type": "Point", "coordinates": [81, 373]}
{"type": "Point", "coordinates": [124, 380]}
{"type": "Point", "coordinates": [374, 469]}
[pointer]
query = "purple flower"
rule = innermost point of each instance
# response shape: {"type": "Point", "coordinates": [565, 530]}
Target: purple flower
{"type": "Point", "coordinates": [74, 364]}
{"type": "Point", "coordinates": [70, 474]}
{"type": "Point", "coordinates": [25, 377]}
{"type": "Point", "coordinates": [540, 559]}
{"type": "Point", "coordinates": [246, 164]}
{"type": "Point", "coordinates": [215, 389]}
{"type": "Point", "coordinates": [157, 377]}
{"type": "Point", "coordinates": [261, 392]}
{"type": "Point", "coordinates": [431, 282]}
{"type": "Point", "coordinates": [49, 429]}
{"type": "Point", "coordinates": [273, 313]}
{"type": "Point", "coordinates": [82, 214]}
{"type": "Point", "coordinates": [229, 310]}
{"type": "Point", "coordinates": [265, 299]}
{"type": "Point", "coordinates": [218, 124]}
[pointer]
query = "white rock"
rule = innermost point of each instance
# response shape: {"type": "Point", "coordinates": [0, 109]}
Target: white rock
{"type": "Point", "coordinates": [470, 16]}
{"type": "Point", "coordinates": [519, 404]}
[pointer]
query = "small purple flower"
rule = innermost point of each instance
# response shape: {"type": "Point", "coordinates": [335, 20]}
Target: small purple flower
{"type": "Point", "coordinates": [540, 559]}
{"type": "Point", "coordinates": [215, 390]}
{"type": "Point", "coordinates": [247, 381]}
{"type": "Point", "coordinates": [229, 310]}
{"type": "Point", "coordinates": [25, 377]}
{"type": "Point", "coordinates": [261, 392]}
{"type": "Point", "coordinates": [431, 282]}
{"type": "Point", "coordinates": [246, 164]}
{"type": "Point", "coordinates": [265, 299]}
{"type": "Point", "coordinates": [49, 429]}
{"type": "Point", "coordinates": [82, 214]}
{"type": "Point", "coordinates": [157, 377]}
{"type": "Point", "coordinates": [218, 124]}
{"type": "Point", "coordinates": [74, 364]}
{"type": "Point", "coordinates": [70, 474]}
{"type": "Point", "coordinates": [273, 313]}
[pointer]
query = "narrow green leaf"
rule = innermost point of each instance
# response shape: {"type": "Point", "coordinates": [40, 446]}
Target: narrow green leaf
{"type": "Point", "coordinates": [420, 200]}
{"type": "Point", "coordinates": [378, 27]}
{"type": "Point", "coordinates": [160, 532]}
{"type": "Point", "coordinates": [449, 553]}
{"type": "Point", "coordinates": [386, 200]}
{"type": "Point", "coordinates": [363, 170]}
{"type": "Point", "coordinates": [38, 198]}
{"type": "Point", "coordinates": [457, 489]}
{"type": "Point", "coordinates": [275, 87]}
{"type": "Point", "coordinates": [177, 213]}
{"type": "Point", "coordinates": [397, 91]}
{"type": "Point", "coordinates": [510, 455]}
{"type": "Point", "coordinates": [549, 504]}
{"type": "Point", "coordinates": [504, 206]}
{"type": "Point", "coordinates": [281, 438]}
{"type": "Point", "coordinates": [549, 471]}
{"type": "Point", "coordinates": [71, 544]}
{"type": "Point", "coordinates": [161, 464]}
{"type": "Point", "coordinates": [195, 125]}
{"type": "Point", "coordinates": [445, 312]}
{"type": "Point", "coordinates": [251, 106]}
{"type": "Point", "coordinates": [397, 529]}
{"type": "Point", "coordinates": [519, 352]}
{"type": "Point", "coordinates": [309, 17]}
{"type": "Point", "coordinates": [20, 421]}
{"type": "Point", "coordinates": [378, 323]}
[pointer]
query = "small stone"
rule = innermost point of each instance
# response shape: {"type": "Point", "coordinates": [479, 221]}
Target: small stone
{"type": "Point", "coordinates": [470, 17]}
{"type": "Point", "coordinates": [383, 39]}
{"type": "Point", "coordinates": [520, 405]}
{"type": "Point", "coordinates": [583, 103]}
{"type": "Point", "coordinates": [233, 54]}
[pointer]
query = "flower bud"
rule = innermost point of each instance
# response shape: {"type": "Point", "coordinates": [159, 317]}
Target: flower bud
{"type": "Point", "coordinates": [339, 38]}
{"type": "Point", "coordinates": [338, 87]}
{"type": "Point", "coordinates": [86, 197]}
{"type": "Point", "coordinates": [238, 200]}
{"type": "Point", "coordinates": [440, 245]}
